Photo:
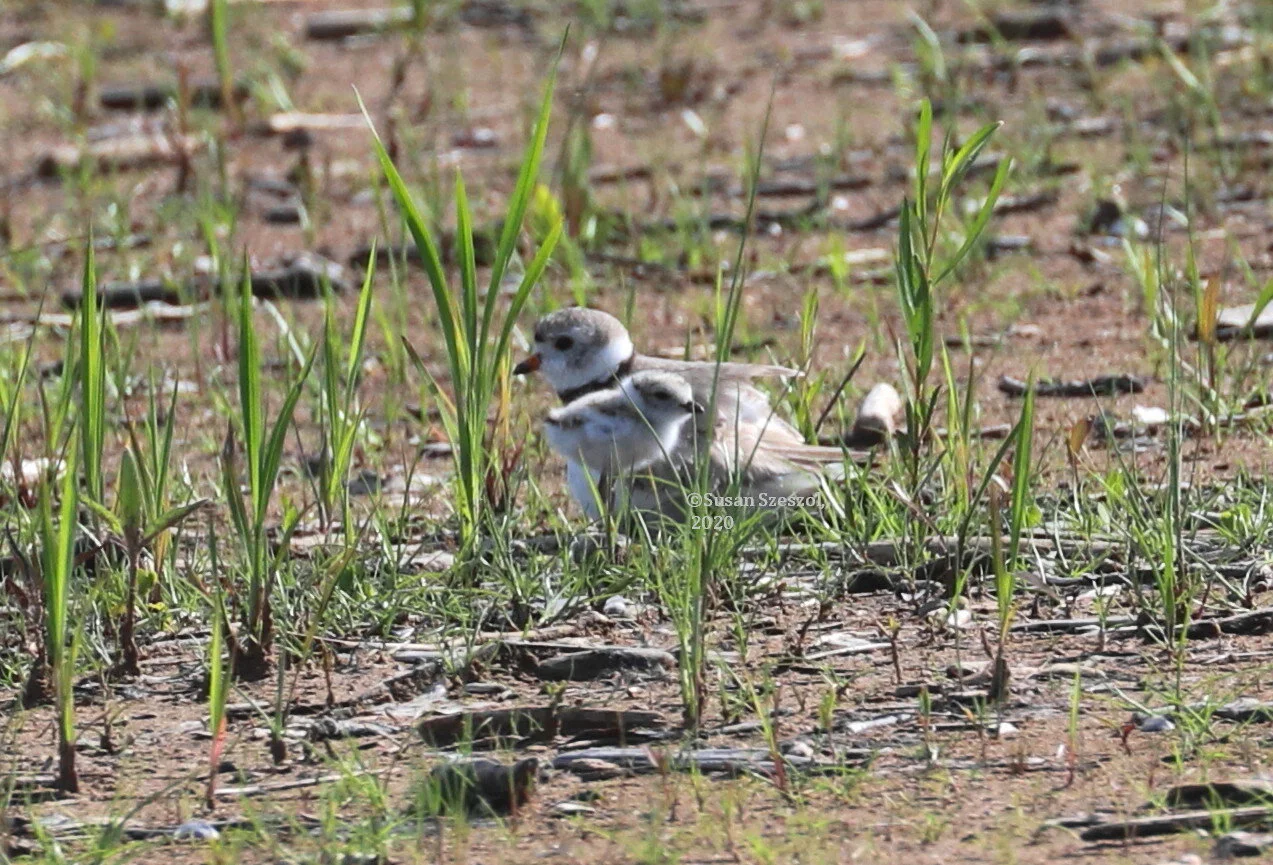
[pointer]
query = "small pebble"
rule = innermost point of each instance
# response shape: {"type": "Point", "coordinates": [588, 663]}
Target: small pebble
{"type": "Point", "coordinates": [797, 748]}
{"type": "Point", "coordinates": [616, 607]}
{"type": "Point", "coordinates": [1156, 724]}
{"type": "Point", "coordinates": [571, 809]}
{"type": "Point", "coordinates": [196, 830]}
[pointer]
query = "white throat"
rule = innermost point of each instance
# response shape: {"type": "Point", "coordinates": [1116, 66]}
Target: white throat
{"type": "Point", "coordinates": [599, 368]}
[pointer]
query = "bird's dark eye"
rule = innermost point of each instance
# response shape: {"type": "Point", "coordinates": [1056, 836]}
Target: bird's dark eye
{"type": "Point", "coordinates": [563, 343]}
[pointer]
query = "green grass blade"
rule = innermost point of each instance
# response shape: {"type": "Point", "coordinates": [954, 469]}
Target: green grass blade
{"type": "Point", "coordinates": [529, 279]}
{"type": "Point", "coordinates": [129, 502]}
{"type": "Point", "coordinates": [272, 454]}
{"type": "Point", "coordinates": [359, 336]}
{"type": "Point", "coordinates": [468, 274]}
{"type": "Point", "coordinates": [1021, 474]}
{"type": "Point", "coordinates": [986, 479]}
{"type": "Point", "coordinates": [234, 497]}
{"type": "Point", "coordinates": [13, 409]}
{"type": "Point", "coordinates": [979, 223]}
{"type": "Point", "coordinates": [219, 21]}
{"type": "Point", "coordinates": [92, 380]}
{"type": "Point", "coordinates": [520, 198]}
{"type": "Point", "coordinates": [217, 692]}
{"type": "Point", "coordinates": [58, 555]}
{"type": "Point", "coordinates": [1262, 300]}
{"type": "Point", "coordinates": [250, 405]}
{"type": "Point", "coordinates": [456, 349]}
{"type": "Point", "coordinates": [161, 447]}
{"type": "Point", "coordinates": [960, 161]}
{"type": "Point", "coordinates": [923, 143]}
{"type": "Point", "coordinates": [331, 396]}
{"type": "Point", "coordinates": [172, 518]}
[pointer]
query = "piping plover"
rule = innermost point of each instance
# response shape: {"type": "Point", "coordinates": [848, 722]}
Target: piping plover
{"type": "Point", "coordinates": [580, 351]}
{"type": "Point", "coordinates": [585, 353]}
{"type": "Point", "coordinates": [624, 428]}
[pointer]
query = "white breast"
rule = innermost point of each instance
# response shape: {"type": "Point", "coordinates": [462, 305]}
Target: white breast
{"type": "Point", "coordinates": [583, 488]}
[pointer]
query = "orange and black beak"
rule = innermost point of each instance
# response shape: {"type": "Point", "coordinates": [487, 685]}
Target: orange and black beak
{"type": "Point", "coordinates": [527, 366]}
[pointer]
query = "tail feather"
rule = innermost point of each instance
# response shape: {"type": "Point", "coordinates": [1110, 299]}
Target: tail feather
{"type": "Point", "coordinates": [814, 456]}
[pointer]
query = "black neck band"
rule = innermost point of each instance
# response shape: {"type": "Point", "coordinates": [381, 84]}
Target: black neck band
{"type": "Point", "coordinates": [622, 372]}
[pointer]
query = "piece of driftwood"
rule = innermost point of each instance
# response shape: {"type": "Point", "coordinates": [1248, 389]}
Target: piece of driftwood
{"type": "Point", "coordinates": [1101, 385]}
{"type": "Point", "coordinates": [732, 762]}
{"type": "Point", "coordinates": [476, 786]}
{"type": "Point", "coordinates": [251, 790]}
{"type": "Point", "coordinates": [155, 311]}
{"type": "Point", "coordinates": [603, 174]}
{"type": "Point", "coordinates": [302, 279]}
{"type": "Point", "coordinates": [1246, 623]}
{"type": "Point", "coordinates": [1243, 791]}
{"type": "Point", "coordinates": [325, 729]}
{"type": "Point", "coordinates": [1171, 824]}
{"type": "Point", "coordinates": [291, 122]}
{"type": "Point", "coordinates": [1098, 52]}
{"type": "Point", "coordinates": [605, 661]}
{"type": "Point", "coordinates": [1006, 244]}
{"type": "Point", "coordinates": [891, 553]}
{"type": "Point", "coordinates": [150, 96]}
{"type": "Point", "coordinates": [61, 248]}
{"type": "Point", "coordinates": [485, 242]}
{"type": "Point", "coordinates": [873, 222]}
{"type": "Point", "coordinates": [338, 24]}
{"type": "Point", "coordinates": [119, 154]}
{"type": "Point", "coordinates": [1246, 711]}
{"type": "Point", "coordinates": [62, 827]}
{"type": "Point", "coordinates": [762, 219]}
{"type": "Point", "coordinates": [1233, 845]}
{"type": "Point", "coordinates": [284, 213]}
{"type": "Point", "coordinates": [1047, 23]}
{"type": "Point", "coordinates": [1026, 202]}
{"type": "Point", "coordinates": [537, 722]}
{"type": "Point", "coordinates": [1070, 626]}
{"type": "Point", "coordinates": [787, 187]}
{"type": "Point", "coordinates": [993, 431]}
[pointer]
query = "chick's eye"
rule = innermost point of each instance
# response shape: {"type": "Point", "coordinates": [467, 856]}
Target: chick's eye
{"type": "Point", "coordinates": [563, 343]}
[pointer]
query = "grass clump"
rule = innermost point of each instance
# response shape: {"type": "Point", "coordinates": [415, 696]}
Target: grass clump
{"type": "Point", "coordinates": [477, 344]}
